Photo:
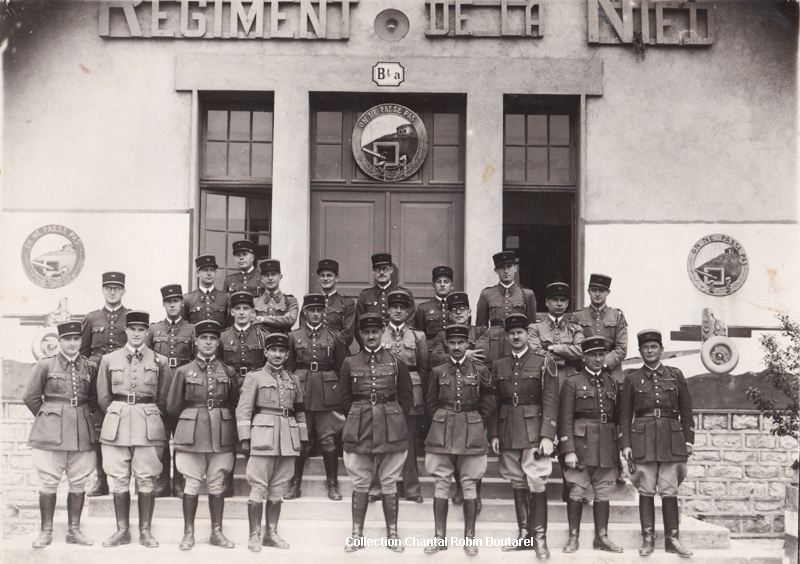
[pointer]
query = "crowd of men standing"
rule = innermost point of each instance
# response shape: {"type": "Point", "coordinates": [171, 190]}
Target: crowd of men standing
{"type": "Point", "coordinates": [225, 372]}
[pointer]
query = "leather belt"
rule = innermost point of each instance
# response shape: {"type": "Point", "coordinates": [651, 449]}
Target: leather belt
{"type": "Point", "coordinates": [376, 398]}
{"type": "Point", "coordinates": [601, 417]}
{"type": "Point", "coordinates": [174, 360]}
{"type": "Point", "coordinates": [500, 323]}
{"type": "Point", "coordinates": [282, 411]}
{"type": "Point", "coordinates": [244, 370]}
{"type": "Point", "coordinates": [658, 413]}
{"type": "Point", "coordinates": [133, 398]}
{"type": "Point", "coordinates": [316, 366]}
{"type": "Point", "coordinates": [209, 403]}
{"type": "Point", "coordinates": [458, 407]}
{"type": "Point", "coordinates": [71, 401]}
{"type": "Point", "coordinates": [519, 400]}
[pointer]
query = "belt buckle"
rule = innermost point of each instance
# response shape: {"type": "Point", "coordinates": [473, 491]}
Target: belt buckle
{"type": "Point", "coordinates": [314, 366]}
{"type": "Point", "coordinates": [373, 398]}
{"type": "Point", "coordinates": [284, 412]}
{"type": "Point", "coordinates": [515, 400]}
{"type": "Point", "coordinates": [604, 418]}
{"type": "Point", "coordinates": [242, 371]}
{"type": "Point", "coordinates": [173, 362]}
{"type": "Point", "coordinates": [210, 403]}
{"type": "Point", "coordinates": [657, 413]}
{"type": "Point", "coordinates": [131, 398]}
{"type": "Point", "coordinates": [457, 406]}
{"type": "Point", "coordinates": [73, 402]}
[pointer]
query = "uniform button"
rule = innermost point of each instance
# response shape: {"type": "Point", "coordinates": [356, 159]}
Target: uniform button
{"type": "Point", "coordinates": [133, 386]}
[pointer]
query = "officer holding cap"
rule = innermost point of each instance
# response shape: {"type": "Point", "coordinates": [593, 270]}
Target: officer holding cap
{"type": "Point", "coordinates": [272, 427]}
{"type": "Point", "coordinates": [103, 331]}
{"type": "Point", "coordinates": [657, 431]}
{"type": "Point", "coordinates": [498, 302]}
{"type": "Point", "coordinates": [172, 338]}
{"type": "Point", "coordinates": [316, 354]}
{"type": "Point", "coordinates": [206, 303]}
{"type": "Point", "coordinates": [274, 311]}
{"type": "Point", "coordinates": [587, 433]}
{"type": "Point", "coordinates": [377, 394]}
{"type": "Point", "coordinates": [431, 316]}
{"type": "Point", "coordinates": [247, 278]}
{"type": "Point", "coordinates": [526, 385]}
{"type": "Point", "coordinates": [61, 394]}
{"type": "Point", "coordinates": [375, 298]}
{"type": "Point", "coordinates": [339, 314]}
{"type": "Point", "coordinates": [132, 387]}
{"type": "Point", "coordinates": [201, 400]}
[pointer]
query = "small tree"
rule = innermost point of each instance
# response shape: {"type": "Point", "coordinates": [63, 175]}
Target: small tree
{"type": "Point", "coordinates": [782, 360]}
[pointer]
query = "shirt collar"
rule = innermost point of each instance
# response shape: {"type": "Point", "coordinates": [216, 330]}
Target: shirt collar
{"type": "Point", "coordinates": [206, 290]}
{"type": "Point", "coordinates": [276, 295]}
{"type": "Point", "coordinates": [458, 362]}
{"type": "Point", "coordinates": [239, 330]}
{"type": "Point", "coordinates": [554, 321]}
{"type": "Point", "coordinates": [649, 371]}
{"type": "Point", "coordinates": [375, 352]}
{"type": "Point", "coordinates": [598, 309]}
{"type": "Point", "coordinates": [507, 287]}
{"type": "Point", "coordinates": [440, 300]}
{"type": "Point", "coordinates": [518, 355]}
{"type": "Point", "coordinates": [115, 310]}
{"type": "Point", "coordinates": [593, 375]}
{"type": "Point", "coordinates": [176, 322]}
{"type": "Point", "coordinates": [133, 350]}
{"type": "Point", "coordinates": [251, 269]}
{"type": "Point", "coordinates": [384, 288]}
{"type": "Point", "coordinates": [64, 359]}
{"type": "Point", "coordinates": [313, 329]}
{"type": "Point", "coordinates": [397, 328]}
{"type": "Point", "coordinates": [206, 360]}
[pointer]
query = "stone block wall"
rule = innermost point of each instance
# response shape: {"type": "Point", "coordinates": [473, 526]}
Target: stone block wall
{"type": "Point", "coordinates": [19, 482]}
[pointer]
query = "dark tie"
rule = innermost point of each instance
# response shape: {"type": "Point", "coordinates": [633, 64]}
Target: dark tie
{"type": "Point", "coordinates": [135, 354]}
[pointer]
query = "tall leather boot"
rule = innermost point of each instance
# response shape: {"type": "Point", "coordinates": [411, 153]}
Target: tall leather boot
{"type": "Point", "coordinates": [162, 486]}
{"type": "Point", "coordinates": [440, 507]}
{"type": "Point", "coordinates": [272, 514]}
{"type": "Point", "coordinates": [647, 518]}
{"type": "Point", "coordinates": [391, 504]}
{"type": "Point", "coordinates": [458, 497]}
{"type": "Point", "coordinates": [331, 460]}
{"type": "Point", "coordinates": [122, 510]}
{"type": "Point", "coordinates": [470, 514]}
{"type": "Point", "coordinates": [47, 509]}
{"type": "Point", "coordinates": [601, 541]}
{"type": "Point", "coordinates": [360, 504]}
{"type": "Point", "coordinates": [216, 507]}
{"type": "Point", "coordinates": [295, 490]}
{"type": "Point", "coordinates": [74, 509]}
{"type": "Point", "coordinates": [147, 502]}
{"type": "Point", "coordinates": [189, 511]}
{"type": "Point", "coordinates": [101, 484]}
{"type": "Point", "coordinates": [227, 485]}
{"type": "Point", "coordinates": [574, 514]}
{"type": "Point", "coordinates": [478, 489]}
{"type": "Point", "coordinates": [538, 503]}
{"type": "Point", "coordinates": [669, 509]}
{"type": "Point", "coordinates": [522, 509]}
{"type": "Point", "coordinates": [178, 481]}
{"type": "Point", "coordinates": [254, 511]}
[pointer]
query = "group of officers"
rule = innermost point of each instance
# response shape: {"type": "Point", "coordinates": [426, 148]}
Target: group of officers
{"type": "Point", "coordinates": [224, 373]}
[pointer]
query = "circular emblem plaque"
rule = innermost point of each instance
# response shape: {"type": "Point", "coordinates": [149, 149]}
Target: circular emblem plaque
{"type": "Point", "coordinates": [389, 142]}
{"type": "Point", "coordinates": [53, 256]}
{"type": "Point", "coordinates": [718, 265]}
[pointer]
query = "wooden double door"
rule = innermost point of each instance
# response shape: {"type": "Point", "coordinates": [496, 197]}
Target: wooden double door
{"type": "Point", "coordinates": [420, 229]}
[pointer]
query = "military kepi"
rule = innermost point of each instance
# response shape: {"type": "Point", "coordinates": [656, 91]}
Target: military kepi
{"type": "Point", "coordinates": [456, 331]}
{"type": "Point", "coordinates": [137, 317]}
{"type": "Point", "coordinates": [515, 320]}
{"type": "Point", "coordinates": [241, 298]}
{"type": "Point", "coordinates": [442, 271]}
{"type": "Point", "coordinates": [68, 328]}
{"type": "Point", "coordinates": [600, 280]}
{"type": "Point", "coordinates": [328, 264]}
{"type": "Point", "coordinates": [205, 261]}
{"type": "Point", "coordinates": [208, 326]}
{"type": "Point", "coordinates": [557, 289]}
{"type": "Point", "coordinates": [457, 299]}
{"type": "Point", "coordinates": [370, 320]}
{"type": "Point", "coordinates": [503, 258]}
{"type": "Point", "coordinates": [381, 259]}
{"type": "Point", "coordinates": [313, 300]}
{"type": "Point", "coordinates": [649, 335]}
{"type": "Point", "coordinates": [270, 265]}
{"type": "Point", "coordinates": [593, 344]}
{"type": "Point", "coordinates": [398, 297]}
{"type": "Point", "coordinates": [114, 278]}
{"type": "Point", "coordinates": [243, 245]}
{"type": "Point", "coordinates": [171, 291]}
{"type": "Point", "coordinates": [276, 340]}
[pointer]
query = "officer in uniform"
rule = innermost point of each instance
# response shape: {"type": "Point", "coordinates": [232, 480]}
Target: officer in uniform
{"type": "Point", "coordinates": [200, 403]}
{"type": "Point", "coordinates": [272, 427]}
{"type": "Point", "coordinates": [432, 316]}
{"type": "Point", "coordinates": [247, 278]}
{"type": "Point", "coordinates": [206, 303]}
{"type": "Point", "coordinates": [61, 394]}
{"type": "Point", "coordinates": [377, 394]}
{"type": "Point", "coordinates": [172, 338]}
{"type": "Point", "coordinates": [274, 311]}
{"type": "Point", "coordinates": [103, 331]}
{"type": "Point", "coordinates": [460, 398]}
{"type": "Point", "coordinates": [526, 386]}
{"type": "Point", "coordinates": [340, 311]}
{"type": "Point", "coordinates": [587, 434]}
{"type": "Point", "coordinates": [132, 387]}
{"type": "Point", "coordinates": [375, 298]}
{"type": "Point", "coordinates": [657, 435]}
{"type": "Point", "coordinates": [316, 354]}
{"type": "Point", "coordinates": [498, 302]}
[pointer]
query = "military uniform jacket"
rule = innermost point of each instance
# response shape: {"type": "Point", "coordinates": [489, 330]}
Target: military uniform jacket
{"type": "Point", "coordinates": [431, 317]}
{"type": "Point", "coordinates": [375, 427]}
{"type": "Point", "coordinates": [566, 338]}
{"type": "Point", "coordinates": [58, 425]}
{"type": "Point", "coordinates": [270, 434]}
{"type": "Point", "coordinates": [478, 339]}
{"type": "Point", "coordinates": [103, 331]}
{"type": "Point", "coordinates": [133, 424]}
{"type": "Point", "coordinates": [494, 305]}
{"type": "Point", "coordinates": [374, 300]}
{"type": "Point", "coordinates": [339, 315]}
{"type": "Point", "coordinates": [459, 432]}
{"type": "Point", "coordinates": [410, 346]}
{"type": "Point", "coordinates": [654, 439]}
{"type": "Point", "coordinates": [250, 281]}
{"type": "Point", "coordinates": [282, 307]}
{"type": "Point", "coordinates": [173, 340]}
{"type": "Point", "coordinates": [203, 428]}
{"type": "Point", "coordinates": [201, 306]}
{"type": "Point", "coordinates": [594, 441]}
{"type": "Point", "coordinates": [316, 357]}
{"type": "Point", "coordinates": [610, 324]}
{"type": "Point", "coordinates": [241, 350]}
{"type": "Point", "coordinates": [522, 426]}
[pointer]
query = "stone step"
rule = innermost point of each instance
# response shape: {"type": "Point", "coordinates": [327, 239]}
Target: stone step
{"type": "Point", "coordinates": [332, 534]}
{"type": "Point", "coordinates": [323, 509]}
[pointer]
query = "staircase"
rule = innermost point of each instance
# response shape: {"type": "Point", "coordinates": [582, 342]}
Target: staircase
{"type": "Point", "coordinates": [317, 527]}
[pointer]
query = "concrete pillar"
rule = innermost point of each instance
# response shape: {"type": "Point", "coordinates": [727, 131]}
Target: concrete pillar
{"type": "Point", "coordinates": [291, 188]}
{"type": "Point", "coordinates": [483, 198]}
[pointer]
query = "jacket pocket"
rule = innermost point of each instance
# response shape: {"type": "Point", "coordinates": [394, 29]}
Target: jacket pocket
{"type": "Point", "coordinates": [533, 421]}
{"type": "Point", "coordinates": [351, 425]}
{"type": "Point", "coordinates": [47, 427]}
{"type": "Point", "coordinates": [579, 439]}
{"type": "Point", "coordinates": [155, 425]}
{"type": "Point", "coordinates": [227, 428]}
{"type": "Point", "coordinates": [476, 434]}
{"type": "Point", "coordinates": [194, 388]}
{"type": "Point", "coordinates": [585, 400]}
{"type": "Point", "coordinates": [184, 430]}
{"type": "Point", "coordinates": [262, 434]}
{"type": "Point", "coordinates": [637, 439]}
{"type": "Point", "coordinates": [57, 382]}
{"type": "Point", "coordinates": [90, 426]}
{"type": "Point", "coordinates": [294, 433]}
{"type": "Point", "coordinates": [330, 387]}
{"type": "Point", "coordinates": [678, 438]}
{"type": "Point", "coordinates": [151, 375]}
{"type": "Point", "coordinates": [111, 423]}
{"type": "Point", "coordinates": [416, 388]}
{"type": "Point", "coordinates": [266, 392]}
{"type": "Point", "coordinates": [435, 436]}
{"type": "Point", "coordinates": [396, 429]}
{"type": "Point", "coordinates": [117, 377]}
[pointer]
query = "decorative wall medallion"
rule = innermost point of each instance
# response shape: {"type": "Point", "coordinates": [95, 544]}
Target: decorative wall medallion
{"type": "Point", "coordinates": [718, 265]}
{"type": "Point", "coordinates": [53, 256]}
